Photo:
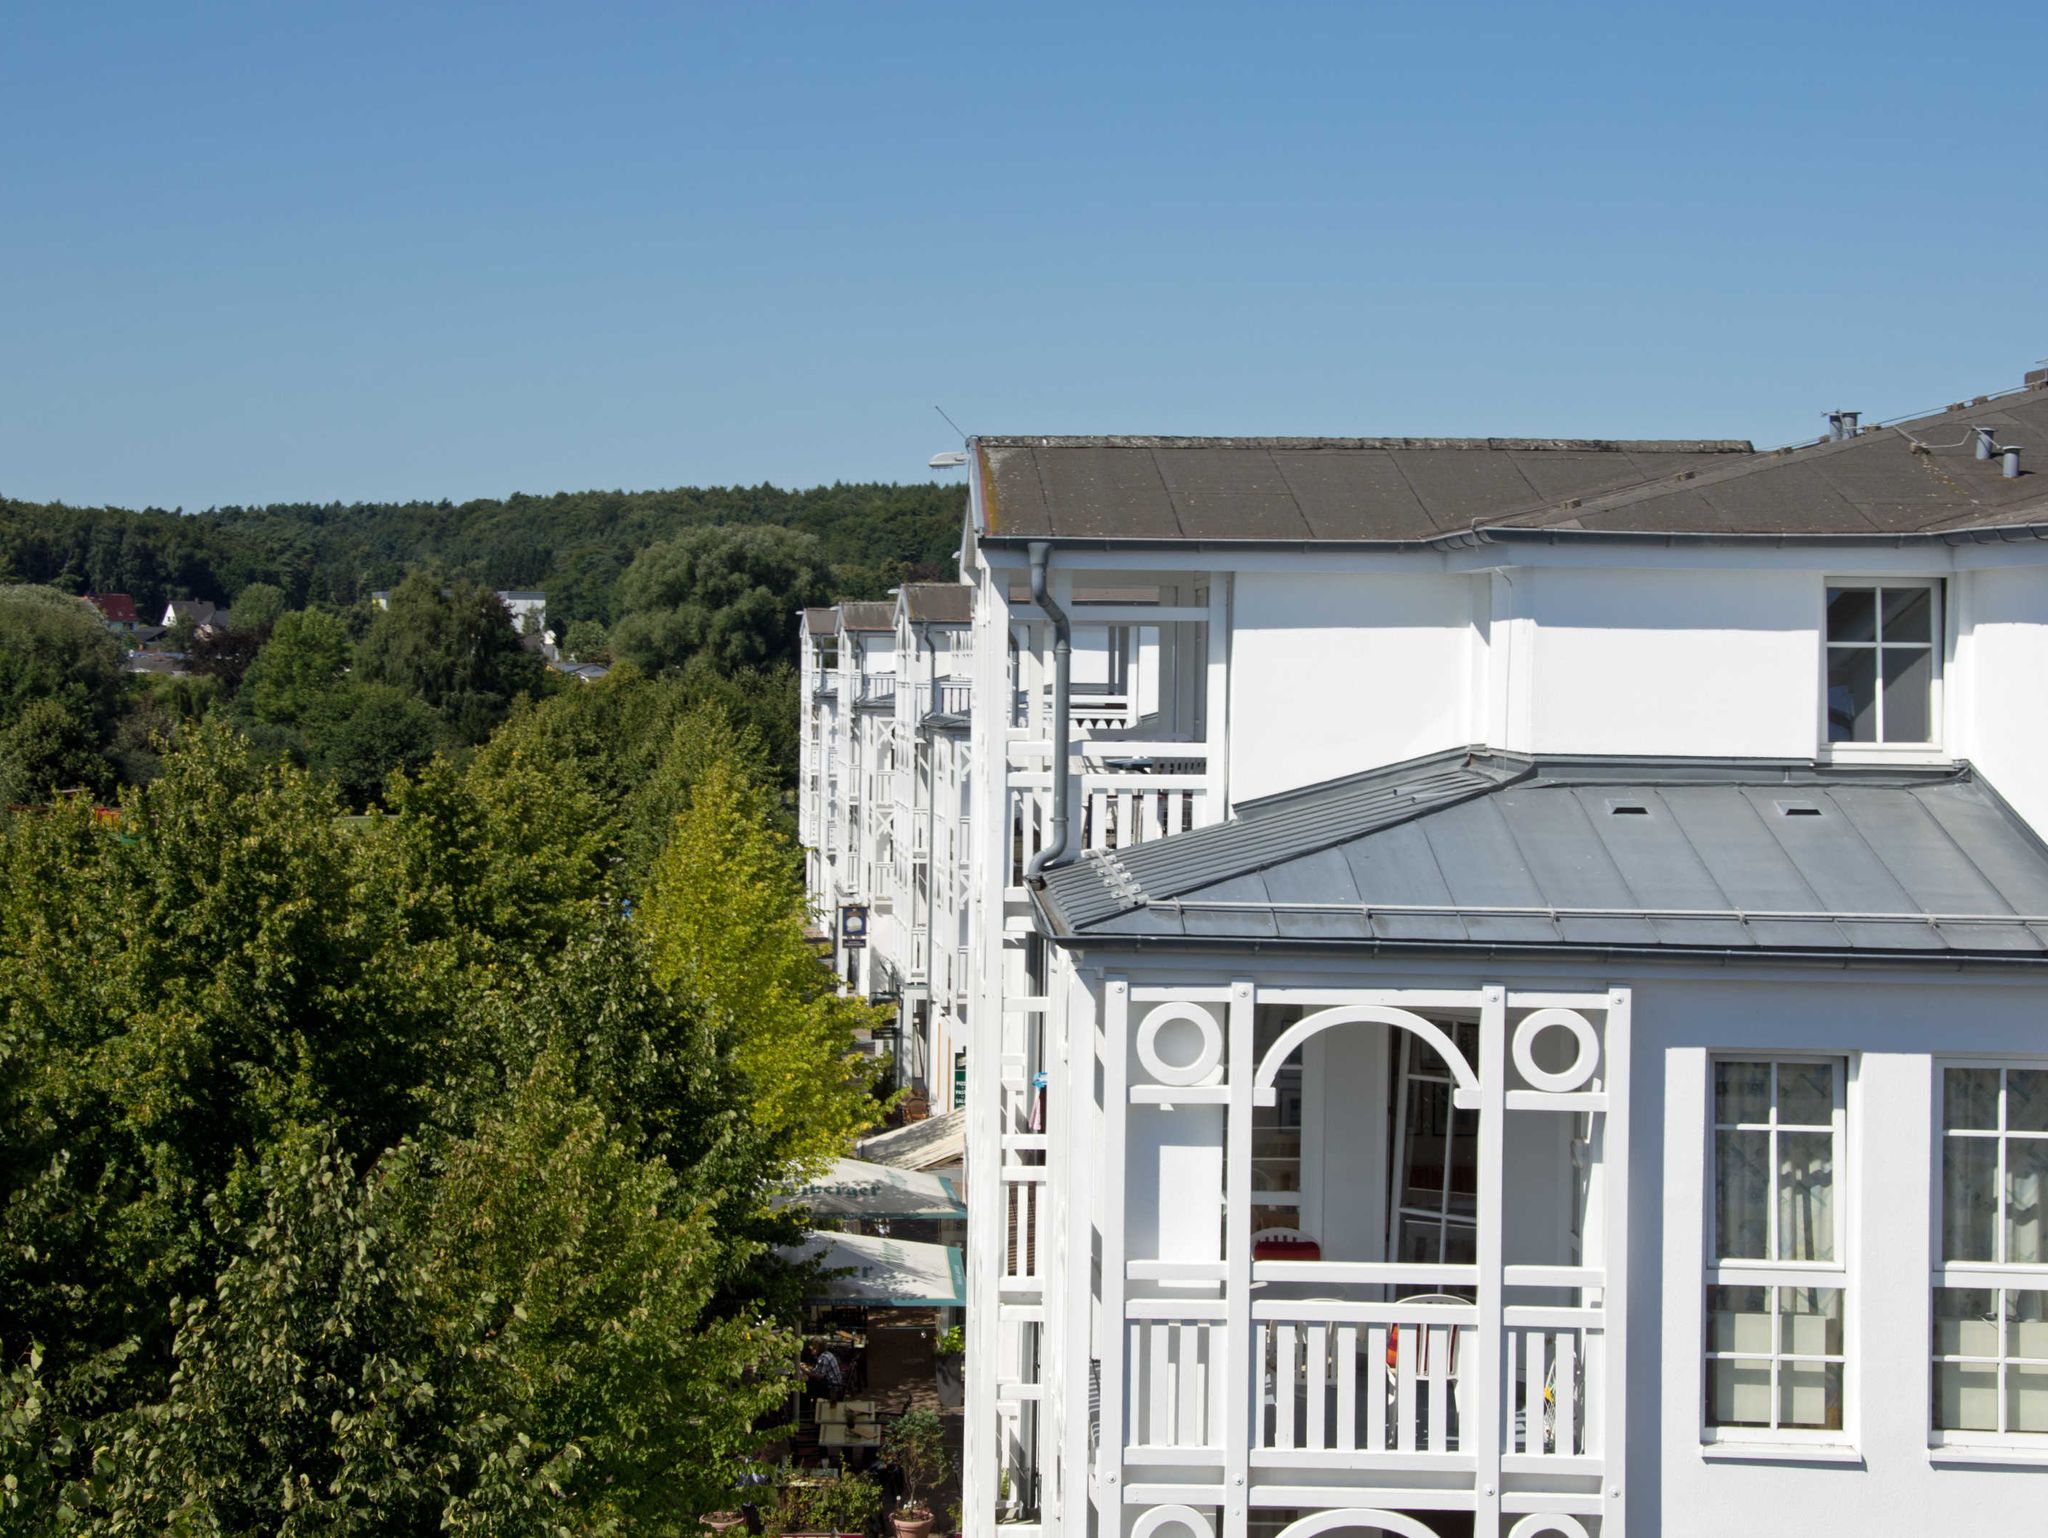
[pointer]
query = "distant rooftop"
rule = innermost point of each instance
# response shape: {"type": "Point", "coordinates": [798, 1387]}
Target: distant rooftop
{"type": "Point", "coordinates": [1916, 479]}
{"type": "Point", "coordinates": [938, 603]}
{"type": "Point", "coordinates": [867, 616]}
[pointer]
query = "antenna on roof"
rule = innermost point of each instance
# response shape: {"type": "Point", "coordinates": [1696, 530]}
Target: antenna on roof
{"type": "Point", "coordinates": [941, 410]}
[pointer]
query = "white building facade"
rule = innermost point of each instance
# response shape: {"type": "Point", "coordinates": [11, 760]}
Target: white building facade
{"type": "Point", "coordinates": [1522, 1010]}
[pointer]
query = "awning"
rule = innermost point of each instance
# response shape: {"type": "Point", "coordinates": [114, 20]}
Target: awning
{"type": "Point", "coordinates": [883, 1273]}
{"type": "Point", "coordinates": [923, 1145]}
{"type": "Point", "coordinates": [854, 1188]}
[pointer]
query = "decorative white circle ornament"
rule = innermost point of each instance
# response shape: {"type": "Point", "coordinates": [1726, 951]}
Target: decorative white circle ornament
{"type": "Point", "coordinates": [1548, 1524]}
{"type": "Point", "coordinates": [1207, 1055]}
{"type": "Point", "coordinates": [1172, 1522]}
{"type": "Point", "coordinates": [1534, 1024]}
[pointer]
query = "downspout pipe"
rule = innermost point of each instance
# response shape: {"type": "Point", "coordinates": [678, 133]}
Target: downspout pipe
{"type": "Point", "coordinates": [1055, 848]}
{"type": "Point", "coordinates": [931, 810]}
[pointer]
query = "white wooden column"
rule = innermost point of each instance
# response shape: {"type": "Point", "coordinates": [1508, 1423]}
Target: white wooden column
{"type": "Point", "coordinates": [1116, 1103]}
{"type": "Point", "coordinates": [1216, 710]}
{"type": "Point", "coordinates": [987, 1223]}
{"type": "Point", "coordinates": [1075, 1144]}
{"type": "Point", "coordinates": [1614, 1156]}
{"type": "Point", "coordinates": [1240, 1393]}
{"type": "Point", "coordinates": [1485, 1437]}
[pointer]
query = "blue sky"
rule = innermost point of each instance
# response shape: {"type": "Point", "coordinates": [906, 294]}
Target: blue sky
{"type": "Point", "coordinates": [267, 252]}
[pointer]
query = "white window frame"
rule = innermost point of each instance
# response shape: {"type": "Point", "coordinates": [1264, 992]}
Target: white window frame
{"type": "Point", "coordinates": [1837, 1274]}
{"type": "Point", "coordinates": [1883, 750]}
{"type": "Point", "coordinates": [1997, 1276]}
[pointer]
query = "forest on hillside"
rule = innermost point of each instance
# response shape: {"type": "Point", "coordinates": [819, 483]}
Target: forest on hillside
{"type": "Point", "coordinates": [574, 545]}
{"type": "Point", "coordinates": [698, 586]}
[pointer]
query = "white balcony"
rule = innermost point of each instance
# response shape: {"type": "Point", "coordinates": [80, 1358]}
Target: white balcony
{"type": "Point", "coordinates": [1311, 1325]}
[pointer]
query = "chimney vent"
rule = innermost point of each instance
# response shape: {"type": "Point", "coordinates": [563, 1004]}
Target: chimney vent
{"type": "Point", "coordinates": [2012, 462]}
{"type": "Point", "coordinates": [1986, 443]}
{"type": "Point", "coordinates": [1842, 424]}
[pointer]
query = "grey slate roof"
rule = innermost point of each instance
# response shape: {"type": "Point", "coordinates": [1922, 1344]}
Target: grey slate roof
{"type": "Point", "coordinates": [1875, 485]}
{"type": "Point", "coordinates": [1296, 488]}
{"type": "Point", "coordinates": [939, 603]}
{"type": "Point", "coordinates": [820, 621]}
{"type": "Point", "coordinates": [867, 616]}
{"type": "Point", "coordinates": [1473, 849]}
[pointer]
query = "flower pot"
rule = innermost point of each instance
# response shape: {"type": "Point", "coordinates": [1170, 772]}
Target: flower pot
{"type": "Point", "coordinates": [911, 1523]}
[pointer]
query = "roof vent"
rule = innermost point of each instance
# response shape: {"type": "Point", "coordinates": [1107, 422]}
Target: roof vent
{"type": "Point", "coordinates": [2012, 461]}
{"type": "Point", "coordinates": [1627, 809]}
{"type": "Point", "coordinates": [1798, 809]}
{"type": "Point", "coordinates": [1842, 424]}
{"type": "Point", "coordinates": [1987, 442]}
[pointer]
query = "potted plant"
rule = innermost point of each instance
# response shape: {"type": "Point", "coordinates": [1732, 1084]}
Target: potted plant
{"type": "Point", "coordinates": [831, 1508]}
{"type": "Point", "coordinates": [949, 1353]}
{"type": "Point", "coordinates": [916, 1444]}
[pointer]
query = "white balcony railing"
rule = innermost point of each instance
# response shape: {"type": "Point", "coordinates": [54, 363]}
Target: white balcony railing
{"type": "Point", "coordinates": [1128, 793]}
{"type": "Point", "coordinates": [1366, 1381]}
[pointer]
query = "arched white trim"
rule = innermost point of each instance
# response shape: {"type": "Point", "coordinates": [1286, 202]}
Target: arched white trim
{"type": "Point", "coordinates": [1191, 1521]}
{"type": "Point", "coordinates": [1557, 1523]}
{"type": "Point", "coordinates": [1361, 1014]}
{"type": "Point", "coordinates": [1333, 1521]}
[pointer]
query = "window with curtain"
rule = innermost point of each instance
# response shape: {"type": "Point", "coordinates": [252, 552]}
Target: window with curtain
{"type": "Point", "coordinates": [1990, 1309]}
{"type": "Point", "coordinates": [1776, 1282]}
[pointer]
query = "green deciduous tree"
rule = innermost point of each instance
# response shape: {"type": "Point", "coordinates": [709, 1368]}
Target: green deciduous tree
{"type": "Point", "coordinates": [726, 594]}
{"type": "Point", "coordinates": [456, 650]}
{"type": "Point", "coordinates": [53, 647]}
{"type": "Point", "coordinates": [587, 641]}
{"type": "Point", "coordinates": [47, 749]}
{"type": "Point", "coordinates": [258, 607]}
{"type": "Point", "coordinates": [725, 917]}
{"type": "Point", "coordinates": [303, 662]}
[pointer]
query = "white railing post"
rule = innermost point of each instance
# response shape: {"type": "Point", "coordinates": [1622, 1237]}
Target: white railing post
{"type": "Point", "coordinates": [1215, 728]}
{"type": "Point", "coordinates": [1614, 1263]}
{"type": "Point", "coordinates": [1485, 1433]}
{"type": "Point", "coordinates": [1114, 1335]}
{"type": "Point", "coordinates": [1241, 1385]}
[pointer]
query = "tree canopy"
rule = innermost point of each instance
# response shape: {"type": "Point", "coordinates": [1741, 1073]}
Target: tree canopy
{"type": "Point", "coordinates": [726, 595]}
{"type": "Point", "coordinates": [575, 545]}
{"type": "Point", "coordinates": [417, 1173]}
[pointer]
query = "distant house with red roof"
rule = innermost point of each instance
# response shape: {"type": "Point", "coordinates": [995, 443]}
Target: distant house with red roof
{"type": "Point", "coordinates": [117, 611]}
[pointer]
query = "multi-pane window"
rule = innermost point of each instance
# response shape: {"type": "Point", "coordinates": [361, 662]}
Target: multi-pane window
{"type": "Point", "coordinates": [1435, 1206]}
{"type": "Point", "coordinates": [1882, 642]}
{"type": "Point", "coordinates": [1991, 1286]}
{"type": "Point", "coordinates": [1276, 1138]}
{"type": "Point", "coordinates": [1776, 1284]}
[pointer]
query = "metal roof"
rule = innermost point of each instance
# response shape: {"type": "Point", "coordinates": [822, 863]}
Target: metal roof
{"type": "Point", "coordinates": [938, 603]}
{"type": "Point", "coordinates": [1916, 479]}
{"type": "Point", "coordinates": [820, 621]}
{"type": "Point", "coordinates": [1475, 849]}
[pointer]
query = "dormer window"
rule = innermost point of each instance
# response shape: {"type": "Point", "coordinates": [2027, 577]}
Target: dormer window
{"type": "Point", "coordinates": [1883, 662]}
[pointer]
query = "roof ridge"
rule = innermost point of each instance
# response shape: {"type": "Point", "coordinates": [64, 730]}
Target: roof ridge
{"type": "Point", "coordinates": [1389, 442]}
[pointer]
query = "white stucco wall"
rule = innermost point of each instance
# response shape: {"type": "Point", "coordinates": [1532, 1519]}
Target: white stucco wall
{"type": "Point", "coordinates": [1333, 674]}
{"type": "Point", "coordinates": [1669, 662]}
{"type": "Point", "coordinates": [1891, 1030]}
{"type": "Point", "coordinates": [2000, 713]}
